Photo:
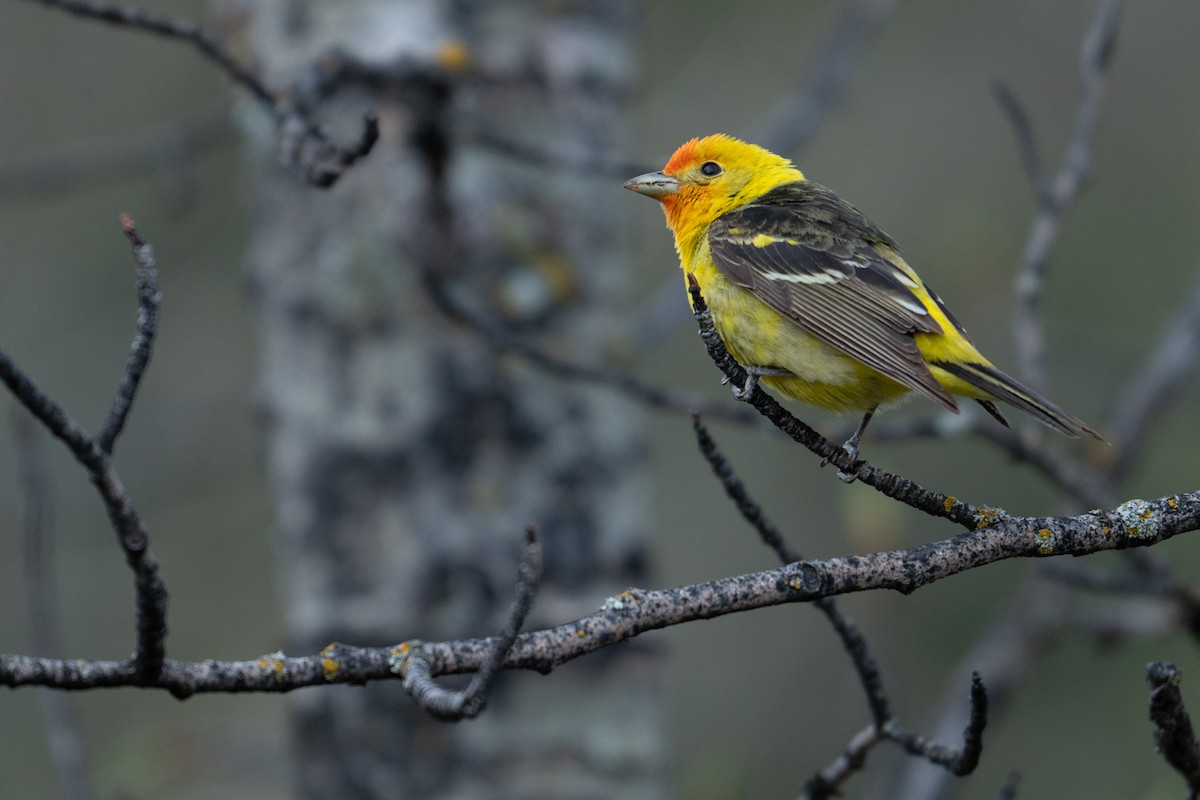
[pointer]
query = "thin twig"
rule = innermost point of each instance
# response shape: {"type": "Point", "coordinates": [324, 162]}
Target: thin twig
{"type": "Point", "coordinates": [1173, 734]}
{"type": "Point", "coordinates": [826, 783]}
{"type": "Point", "coordinates": [303, 143]}
{"type": "Point", "coordinates": [582, 161]}
{"type": "Point", "coordinates": [1031, 157]}
{"type": "Point", "coordinates": [1056, 194]}
{"type": "Point", "coordinates": [1076, 480]}
{"type": "Point", "coordinates": [797, 117]}
{"type": "Point", "coordinates": [470, 702]}
{"type": "Point", "coordinates": [853, 641]}
{"type": "Point", "coordinates": [1028, 624]}
{"type": "Point", "coordinates": [1165, 374]}
{"type": "Point", "coordinates": [143, 340]}
{"type": "Point", "coordinates": [959, 761]}
{"type": "Point", "coordinates": [151, 594]}
{"type": "Point", "coordinates": [168, 147]}
{"type": "Point", "coordinates": [178, 29]}
{"type": "Point", "coordinates": [498, 336]}
{"type": "Point", "coordinates": [750, 510]}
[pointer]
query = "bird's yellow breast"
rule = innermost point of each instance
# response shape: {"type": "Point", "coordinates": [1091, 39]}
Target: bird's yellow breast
{"type": "Point", "coordinates": [757, 335]}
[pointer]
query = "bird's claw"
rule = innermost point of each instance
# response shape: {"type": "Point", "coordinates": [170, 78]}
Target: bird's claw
{"type": "Point", "coordinates": [753, 373]}
{"type": "Point", "coordinates": [850, 448]}
{"type": "Point", "coordinates": [746, 390]}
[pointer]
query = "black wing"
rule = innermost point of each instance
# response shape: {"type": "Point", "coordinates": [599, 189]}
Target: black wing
{"type": "Point", "coordinates": [819, 262]}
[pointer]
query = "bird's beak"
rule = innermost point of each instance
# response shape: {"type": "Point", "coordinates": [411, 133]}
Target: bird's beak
{"type": "Point", "coordinates": [653, 184]}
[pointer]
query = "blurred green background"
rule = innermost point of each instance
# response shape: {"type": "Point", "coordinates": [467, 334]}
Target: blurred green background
{"type": "Point", "coordinates": [759, 701]}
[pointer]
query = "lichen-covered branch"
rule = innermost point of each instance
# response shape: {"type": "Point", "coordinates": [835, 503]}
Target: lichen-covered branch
{"type": "Point", "coordinates": [1137, 523]}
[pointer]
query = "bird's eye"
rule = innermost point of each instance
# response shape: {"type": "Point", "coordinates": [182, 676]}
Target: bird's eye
{"type": "Point", "coordinates": [710, 169]}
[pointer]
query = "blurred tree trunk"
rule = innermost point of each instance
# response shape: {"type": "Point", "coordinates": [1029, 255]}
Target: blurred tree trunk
{"type": "Point", "coordinates": [406, 455]}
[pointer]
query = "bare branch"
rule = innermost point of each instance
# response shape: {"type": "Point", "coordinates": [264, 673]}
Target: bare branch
{"type": "Point", "coordinates": [1031, 157]}
{"type": "Point", "coordinates": [736, 490]}
{"type": "Point", "coordinates": [1058, 193]}
{"type": "Point", "coordinates": [1173, 734]}
{"type": "Point", "coordinates": [1076, 480]}
{"type": "Point", "coordinates": [131, 534]}
{"type": "Point", "coordinates": [580, 160]}
{"type": "Point", "coordinates": [1163, 377]}
{"type": "Point", "coordinates": [143, 341]}
{"type": "Point", "coordinates": [500, 337]}
{"type": "Point", "coordinates": [471, 701]}
{"type": "Point", "coordinates": [304, 144]}
{"type": "Point", "coordinates": [796, 117]}
{"type": "Point", "coordinates": [178, 29]}
{"type": "Point", "coordinates": [852, 638]}
{"type": "Point", "coordinates": [168, 147]}
{"type": "Point", "coordinates": [958, 761]}
{"type": "Point", "coordinates": [852, 759]}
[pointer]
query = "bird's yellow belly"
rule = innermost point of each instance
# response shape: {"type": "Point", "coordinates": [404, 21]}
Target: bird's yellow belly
{"type": "Point", "coordinates": [825, 377]}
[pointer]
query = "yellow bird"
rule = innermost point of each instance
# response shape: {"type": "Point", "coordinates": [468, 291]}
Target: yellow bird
{"type": "Point", "coordinates": [813, 298]}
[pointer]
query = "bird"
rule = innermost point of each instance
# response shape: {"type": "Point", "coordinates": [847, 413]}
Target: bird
{"type": "Point", "coordinates": [813, 299]}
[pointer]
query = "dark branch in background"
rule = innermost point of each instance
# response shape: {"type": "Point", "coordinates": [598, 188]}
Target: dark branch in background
{"type": "Point", "coordinates": [39, 592]}
{"type": "Point", "coordinates": [1027, 146]}
{"type": "Point", "coordinates": [1057, 193]}
{"type": "Point", "coordinates": [1011, 784]}
{"type": "Point", "coordinates": [492, 330]}
{"type": "Point", "coordinates": [1173, 734]}
{"type": "Point", "coordinates": [1076, 480]}
{"type": "Point", "coordinates": [498, 336]}
{"type": "Point", "coordinates": [1165, 374]}
{"type": "Point", "coordinates": [789, 127]}
{"type": "Point", "coordinates": [1031, 619]}
{"type": "Point", "coordinates": [169, 148]}
{"type": "Point", "coordinates": [471, 701]}
{"type": "Point", "coordinates": [796, 118]}
{"type": "Point", "coordinates": [304, 144]}
{"type": "Point", "coordinates": [852, 639]}
{"type": "Point", "coordinates": [894, 486]}
{"type": "Point", "coordinates": [134, 540]}
{"type": "Point", "coordinates": [827, 782]}
{"type": "Point", "coordinates": [853, 758]}
{"type": "Point", "coordinates": [586, 162]}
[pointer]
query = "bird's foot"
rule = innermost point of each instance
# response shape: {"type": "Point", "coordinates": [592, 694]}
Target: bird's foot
{"type": "Point", "coordinates": [851, 449]}
{"type": "Point", "coordinates": [753, 373]}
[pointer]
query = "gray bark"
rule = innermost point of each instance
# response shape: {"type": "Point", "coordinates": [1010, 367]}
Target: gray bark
{"type": "Point", "coordinates": [406, 455]}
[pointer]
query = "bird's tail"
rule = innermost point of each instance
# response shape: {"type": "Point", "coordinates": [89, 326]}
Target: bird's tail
{"type": "Point", "coordinates": [996, 384]}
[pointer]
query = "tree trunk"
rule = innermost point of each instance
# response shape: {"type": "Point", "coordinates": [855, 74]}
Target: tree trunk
{"type": "Point", "coordinates": [406, 453]}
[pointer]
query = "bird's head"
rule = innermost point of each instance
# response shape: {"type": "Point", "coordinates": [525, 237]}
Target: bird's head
{"type": "Point", "coordinates": [706, 177]}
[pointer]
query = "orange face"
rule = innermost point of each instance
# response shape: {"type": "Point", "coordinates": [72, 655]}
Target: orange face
{"type": "Point", "coordinates": [706, 177]}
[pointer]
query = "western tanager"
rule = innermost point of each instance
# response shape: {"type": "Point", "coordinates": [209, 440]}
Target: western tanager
{"type": "Point", "coordinates": [813, 298]}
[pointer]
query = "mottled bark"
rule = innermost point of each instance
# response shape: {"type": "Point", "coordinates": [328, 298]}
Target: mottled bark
{"type": "Point", "coordinates": [407, 455]}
